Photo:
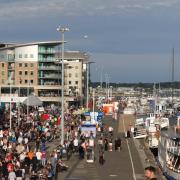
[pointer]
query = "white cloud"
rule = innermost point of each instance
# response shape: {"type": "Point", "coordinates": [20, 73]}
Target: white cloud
{"type": "Point", "coordinates": [18, 8]}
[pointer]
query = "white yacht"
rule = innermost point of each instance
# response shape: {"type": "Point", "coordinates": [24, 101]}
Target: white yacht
{"type": "Point", "coordinates": [169, 151]}
{"type": "Point", "coordinates": [139, 129]}
{"type": "Point", "coordinates": [154, 124]}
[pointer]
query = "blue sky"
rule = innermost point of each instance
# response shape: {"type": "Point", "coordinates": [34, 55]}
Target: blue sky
{"type": "Point", "coordinates": [130, 40]}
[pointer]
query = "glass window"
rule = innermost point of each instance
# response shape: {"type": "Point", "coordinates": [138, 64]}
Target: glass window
{"type": "Point", "coordinates": [31, 64]}
{"type": "Point", "coordinates": [2, 81]}
{"type": "Point", "coordinates": [2, 73]}
{"type": "Point", "coordinates": [76, 75]}
{"type": "Point", "coordinates": [26, 81]}
{"type": "Point", "coordinates": [31, 81]}
{"type": "Point", "coordinates": [76, 67]}
{"type": "Point", "coordinates": [69, 82]}
{"type": "Point", "coordinates": [32, 55]}
{"type": "Point", "coordinates": [26, 73]}
{"type": "Point", "coordinates": [76, 82]}
{"type": "Point", "coordinates": [20, 72]}
{"type": "Point", "coordinates": [26, 65]}
{"type": "Point", "coordinates": [70, 75]}
{"type": "Point", "coordinates": [20, 55]}
{"type": "Point", "coordinates": [2, 64]}
{"type": "Point", "coordinates": [32, 73]}
{"type": "Point", "coordinates": [25, 56]}
{"type": "Point", "coordinates": [20, 64]}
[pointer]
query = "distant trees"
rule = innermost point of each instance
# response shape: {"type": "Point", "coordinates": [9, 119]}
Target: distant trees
{"type": "Point", "coordinates": [175, 85]}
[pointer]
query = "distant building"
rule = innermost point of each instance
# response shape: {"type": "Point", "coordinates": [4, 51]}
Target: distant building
{"type": "Point", "coordinates": [35, 68]}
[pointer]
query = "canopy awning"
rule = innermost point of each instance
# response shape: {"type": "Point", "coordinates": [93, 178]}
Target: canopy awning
{"type": "Point", "coordinates": [32, 101]}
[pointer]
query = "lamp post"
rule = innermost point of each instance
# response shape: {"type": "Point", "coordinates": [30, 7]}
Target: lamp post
{"type": "Point", "coordinates": [10, 107]}
{"type": "Point", "coordinates": [19, 94]}
{"type": "Point", "coordinates": [87, 86]}
{"type": "Point", "coordinates": [62, 30]}
{"type": "Point", "coordinates": [28, 95]}
{"type": "Point", "coordinates": [87, 82]}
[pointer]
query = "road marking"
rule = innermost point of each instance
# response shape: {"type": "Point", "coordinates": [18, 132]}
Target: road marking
{"type": "Point", "coordinates": [132, 164]}
{"type": "Point", "coordinates": [113, 175]}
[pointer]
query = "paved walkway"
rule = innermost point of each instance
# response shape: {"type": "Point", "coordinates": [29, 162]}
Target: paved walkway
{"type": "Point", "coordinates": [125, 164]}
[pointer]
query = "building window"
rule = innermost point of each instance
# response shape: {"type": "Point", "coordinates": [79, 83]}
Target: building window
{"type": "Point", "coordinates": [20, 81]}
{"type": "Point", "coordinates": [20, 72]}
{"type": "Point", "coordinates": [31, 73]}
{"type": "Point", "coordinates": [26, 81]}
{"type": "Point", "coordinates": [32, 65]}
{"type": "Point", "coordinates": [31, 55]}
{"type": "Point", "coordinates": [69, 82]}
{"type": "Point", "coordinates": [76, 67]}
{"type": "Point", "coordinates": [20, 55]}
{"type": "Point", "coordinates": [25, 56]}
{"type": "Point", "coordinates": [20, 64]}
{"type": "Point", "coordinates": [2, 81]}
{"type": "Point", "coordinates": [26, 64]}
{"type": "Point", "coordinates": [26, 73]}
{"type": "Point", "coordinates": [2, 73]}
{"type": "Point", "coordinates": [31, 81]}
{"type": "Point", "coordinates": [70, 75]}
{"type": "Point", "coordinates": [2, 64]}
{"type": "Point", "coordinates": [76, 75]}
{"type": "Point", "coordinates": [76, 82]}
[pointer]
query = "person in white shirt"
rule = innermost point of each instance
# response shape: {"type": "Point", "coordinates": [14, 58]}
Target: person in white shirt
{"type": "Point", "coordinates": [22, 156]}
{"type": "Point", "coordinates": [75, 143]}
{"type": "Point", "coordinates": [39, 157]}
{"type": "Point", "coordinates": [12, 176]}
{"type": "Point", "coordinates": [1, 133]}
{"type": "Point", "coordinates": [20, 139]}
{"type": "Point", "coordinates": [26, 140]}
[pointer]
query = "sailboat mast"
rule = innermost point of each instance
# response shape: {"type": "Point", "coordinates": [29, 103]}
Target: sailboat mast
{"type": "Point", "coordinates": [172, 76]}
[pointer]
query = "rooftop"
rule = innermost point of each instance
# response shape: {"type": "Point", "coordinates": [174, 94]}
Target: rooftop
{"type": "Point", "coordinates": [5, 46]}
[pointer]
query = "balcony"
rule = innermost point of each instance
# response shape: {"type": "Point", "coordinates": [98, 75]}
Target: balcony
{"type": "Point", "coordinates": [44, 51]}
{"type": "Point", "coordinates": [50, 76]}
{"type": "Point", "coordinates": [56, 68]}
{"type": "Point", "coordinates": [47, 59]}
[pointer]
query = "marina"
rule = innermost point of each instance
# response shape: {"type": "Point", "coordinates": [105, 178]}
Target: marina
{"type": "Point", "coordinates": [89, 90]}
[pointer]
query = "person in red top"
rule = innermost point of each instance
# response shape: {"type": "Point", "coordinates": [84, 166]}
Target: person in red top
{"type": "Point", "coordinates": [43, 158]}
{"type": "Point", "coordinates": [10, 167]}
{"type": "Point", "coordinates": [9, 157]}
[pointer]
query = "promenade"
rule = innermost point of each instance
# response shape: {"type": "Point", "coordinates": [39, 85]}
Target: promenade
{"type": "Point", "coordinates": [125, 164]}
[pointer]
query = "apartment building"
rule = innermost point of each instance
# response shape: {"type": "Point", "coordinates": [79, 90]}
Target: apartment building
{"type": "Point", "coordinates": [75, 72]}
{"type": "Point", "coordinates": [35, 68]}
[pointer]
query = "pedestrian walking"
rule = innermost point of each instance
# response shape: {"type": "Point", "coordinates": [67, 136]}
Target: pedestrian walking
{"type": "Point", "coordinates": [119, 144]}
{"type": "Point", "coordinates": [101, 157]}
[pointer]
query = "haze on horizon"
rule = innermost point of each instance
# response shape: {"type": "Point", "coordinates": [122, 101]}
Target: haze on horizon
{"type": "Point", "coordinates": [130, 40]}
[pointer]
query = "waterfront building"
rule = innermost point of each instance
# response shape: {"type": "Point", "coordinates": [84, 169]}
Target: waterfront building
{"type": "Point", "coordinates": [35, 68]}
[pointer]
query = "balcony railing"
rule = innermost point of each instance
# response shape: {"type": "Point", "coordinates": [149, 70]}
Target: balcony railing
{"type": "Point", "coordinates": [174, 150]}
{"type": "Point", "coordinates": [43, 51]}
{"type": "Point", "coordinates": [49, 68]}
{"type": "Point", "coordinates": [47, 59]}
{"type": "Point", "coordinates": [50, 76]}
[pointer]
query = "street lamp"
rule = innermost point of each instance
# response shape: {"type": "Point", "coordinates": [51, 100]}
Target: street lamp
{"type": "Point", "coordinates": [62, 30]}
{"type": "Point", "coordinates": [87, 81]}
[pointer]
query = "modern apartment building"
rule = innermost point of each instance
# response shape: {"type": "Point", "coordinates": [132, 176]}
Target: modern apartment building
{"type": "Point", "coordinates": [35, 68]}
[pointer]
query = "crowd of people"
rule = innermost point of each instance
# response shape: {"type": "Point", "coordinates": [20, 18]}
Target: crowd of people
{"type": "Point", "coordinates": [25, 151]}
